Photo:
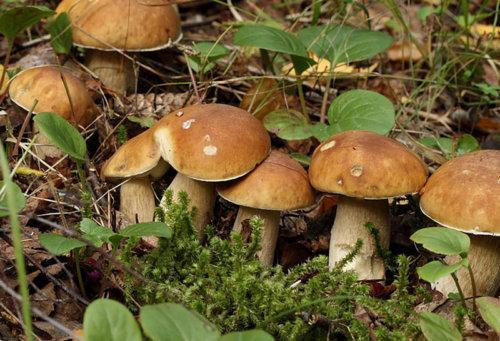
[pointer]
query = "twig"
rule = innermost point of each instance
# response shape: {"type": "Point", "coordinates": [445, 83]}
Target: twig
{"type": "Point", "coordinates": [23, 127]}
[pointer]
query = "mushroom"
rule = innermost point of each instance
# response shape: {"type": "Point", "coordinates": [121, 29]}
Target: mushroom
{"type": "Point", "coordinates": [277, 184]}
{"type": "Point", "coordinates": [108, 26]}
{"type": "Point", "coordinates": [464, 194]}
{"type": "Point", "coordinates": [136, 160]}
{"type": "Point", "coordinates": [209, 143]}
{"type": "Point", "coordinates": [44, 84]}
{"type": "Point", "coordinates": [366, 169]}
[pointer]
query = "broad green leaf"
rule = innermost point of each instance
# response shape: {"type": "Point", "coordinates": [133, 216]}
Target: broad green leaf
{"type": "Point", "coordinates": [62, 134]}
{"type": "Point", "coordinates": [321, 131]}
{"type": "Point", "coordinates": [437, 328]}
{"type": "Point", "coordinates": [344, 44]}
{"type": "Point", "coordinates": [301, 158]}
{"type": "Point", "coordinates": [463, 145]}
{"type": "Point", "coordinates": [15, 20]}
{"type": "Point", "coordinates": [288, 125]}
{"type": "Point", "coordinates": [61, 34]}
{"type": "Point", "coordinates": [59, 245]}
{"type": "Point", "coordinates": [466, 144]}
{"type": "Point", "coordinates": [435, 270]}
{"type": "Point", "coordinates": [91, 228]}
{"type": "Point", "coordinates": [108, 320]}
{"type": "Point", "coordinates": [19, 199]}
{"type": "Point", "coordinates": [489, 307]}
{"type": "Point", "coordinates": [248, 335]}
{"type": "Point", "coordinates": [269, 38]}
{"type": "Point", "coordinates": [155, 228]}
{"type": "Point", "coordinates": [442, 240]}
{"type": "Point", "coordinates": [361, 110]}
{"type": "Point", "coordinates": [173, 322]}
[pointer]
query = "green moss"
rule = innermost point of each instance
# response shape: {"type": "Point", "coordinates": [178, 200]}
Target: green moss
{"type": "Point", "coordinates": [223, 280]}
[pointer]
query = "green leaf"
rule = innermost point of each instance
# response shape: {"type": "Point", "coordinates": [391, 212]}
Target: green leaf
{"type": "Point", "coordinates": [145, 122]}
{"type": "Point", "coordinates": [62, 134]}
{"type": "Point", "coordinates": [435, 270]}
{"type": "Point", "coordinates": [361, 110]}
{"type": "Point", "coordinates": [173, 322]}
{"type": "Point", "coordinates": [155, 228]}
{"type": "Point", "coordinates": [288, 125]}
{"type": "Point", "coordinates": [208, 54]}
{"type": "Point", "coordinates": [248, 335]}
{"type": "Point", "coordinates": [19, 199]}
{"type": "Point", "coordinates": [344, 44]}
{"type": "Point", "coordinates": [269, 38]}
{"type": "Point", "coordinates": [321, 131]}
{"type": "Point", "coordinates": [59, 245]}
{"type": "Point", "coordinates": [108, 320]}
{"type": "Point", "coordinates": [437, 328]}
{"type": "Point", "coordinates": [489, 307]}
{"type": "Point", "coordinates": [61, 33]}
{"type": "Point", "coordinates": [463, 145]}
{"type": "Point", "coordinates": [466, 144]}
{"type": "Point", "coordinates": [91, 228]}
{"type": "Point", "coordinates": [301, 158]}
{"type": "Point", "coordinates": [16, 20]}
{"type": "Point", "coordinates": [442, 240]}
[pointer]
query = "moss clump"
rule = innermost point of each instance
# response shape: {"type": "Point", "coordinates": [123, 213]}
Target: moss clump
{"type": "Point", "coordinates": [223, 281]}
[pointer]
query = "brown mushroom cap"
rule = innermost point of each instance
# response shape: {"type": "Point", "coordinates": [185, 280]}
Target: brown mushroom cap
{"type": "Point", "coordinates": [366, 165]}
{"type": "Point", "coordinates": [44, 84]}
{"type": "Point", "coordinates": [212, 142]}
{"type": "Point", "coordinates": [278, 183]}
{"type": "Point", "coordinates": [464, 193]}
{"type": "Point", "coordinates": [139, 156]}
{"type": "Point", "coordinates": [131, 25]}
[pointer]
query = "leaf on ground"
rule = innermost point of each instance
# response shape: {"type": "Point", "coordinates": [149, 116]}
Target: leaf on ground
{"type": "Point", "coordinates": [437, 328]}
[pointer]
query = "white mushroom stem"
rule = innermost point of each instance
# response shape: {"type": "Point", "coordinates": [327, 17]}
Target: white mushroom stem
{"type": "Point", "coordinates": [114, 70]}
{"type": "Point", "coordinates": [270, 230]}
{"type": "Point", "coordinates": [484, 259]}
{"type": "Point", "coordinates": [349, 226]}
{"type": "Point", "coordinates": [137, 200]}
{"type": "Point", "coordinates": [201, 195]}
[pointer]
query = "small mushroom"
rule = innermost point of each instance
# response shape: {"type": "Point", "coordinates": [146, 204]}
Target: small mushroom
{"type": "Point", "coordinates": [108, 26]}
{"type": "Point", "coordinates": [137, 160]}
{"type": "Point", "coordinates": [366, 169]}
{"type": "Point", "coordinates": [464, 194]}
{"type": "Point", "coordinates": [277, 184]}
{"type": "Point", "coordinates": [44, 84]}
{"type": "Point", "coordinates": [209, 143]}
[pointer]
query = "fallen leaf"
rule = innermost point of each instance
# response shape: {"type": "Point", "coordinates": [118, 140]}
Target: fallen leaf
{"type": "Point", "coordinates": [5, 83]}
{"type": "Point", "coordinates": [45, 299]}
{"type": "Point", "coordinates": [262, 98]}
{"type": "Point", "coordinates": [404, 51]}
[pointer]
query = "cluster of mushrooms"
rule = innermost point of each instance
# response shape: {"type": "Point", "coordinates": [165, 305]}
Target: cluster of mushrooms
{"type": "Point", "coordinates": [217, 148]}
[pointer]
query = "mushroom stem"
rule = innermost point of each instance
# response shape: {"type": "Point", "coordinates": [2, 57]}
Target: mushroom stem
{"type": "Point", "coordinates": [114, 70]}
{"type": "Point", "coordinates": [137, 200]}
{"type": "Point", "coordinates": [201, 195]}
{"type": "Point", "coordinates": [484, 259]}
{"type": "Point", "coordinates": [349, 226]}
{"type": "Point", "coordinates": [270, 230]}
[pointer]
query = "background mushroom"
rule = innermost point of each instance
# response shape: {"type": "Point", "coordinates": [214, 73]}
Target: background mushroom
{"type": "Point", "coordinates": [366, 169]}
{"type": "Point", "coordinates": [107, 26]}
{"type": "Point", "coordinates": [209, 143]}
{"type": "Point", "coordinates": [464, 194]}
{"type": "Point", "coordinates": [44, 84]}
{"type": "Point", "coordinates": [277, 184]}
{"type": "Point", "coordinates": [136, 160]}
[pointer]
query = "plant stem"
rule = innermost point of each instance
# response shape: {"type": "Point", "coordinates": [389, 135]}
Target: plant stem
{"type": "Point", "coordinates": [266, 61]}
{"type": "Point", "coordinates": [473, 284]}
{"type": "Point", "coordinates": [460, 292]}
{"type": "Point", "coordinates": [76, 255]}
{"type": "Point", "coordinates": [301, 95]}
{"type": "Point", "coordinates": [18, 245]}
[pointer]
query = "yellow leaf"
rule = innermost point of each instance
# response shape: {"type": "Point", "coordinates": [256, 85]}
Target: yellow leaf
{"type": "Point", "coordinates": [485, 30]}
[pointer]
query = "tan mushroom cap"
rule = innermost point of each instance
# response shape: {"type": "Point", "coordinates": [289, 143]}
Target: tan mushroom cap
{"type": "Point", "coordinates": [278, 183]}
{"type": "Point", "coordinates": [44, 84]}
{"type": "Point", "coordinates": [464, 193]}
{"type": "Point", "coordinates": [212, 142]}
{"type": "Point", "coordinates": [139, 156]}
{"type": "Point", "coordinates": [131, 25]}
{"type": "Point", "coordinates": [366, 165]}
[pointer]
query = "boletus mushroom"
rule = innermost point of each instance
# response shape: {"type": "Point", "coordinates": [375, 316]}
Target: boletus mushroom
{"type": "Point", "coordinates": [464, 194]}
{"type": "Point", "coordinates": [106, 27]}
{"type": "Point", "coordinates": [136, 161]}
{"type": "Point", "coordinates": [208, 143]}
{"type": "Point", "coordinates": [44, 84]}
{"type": "Point", "coordinates": [365, 169]}
{"type": "Point", "coordinates": [279, 183]}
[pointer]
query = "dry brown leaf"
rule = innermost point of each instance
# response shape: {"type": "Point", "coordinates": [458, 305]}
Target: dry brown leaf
{"type": "Point", "coordinates": [45, 299]}
{"type": "Point", "coordinates": [404, 51]}
{"type": "Point", "coordinates": [262, 98]}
